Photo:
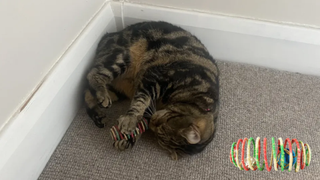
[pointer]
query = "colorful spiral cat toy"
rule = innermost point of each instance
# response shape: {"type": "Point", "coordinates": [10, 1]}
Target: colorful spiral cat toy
{"type": "Point", "coordinates": [283, 157]}
{"type": "Point", "coordinates": [116, 135]}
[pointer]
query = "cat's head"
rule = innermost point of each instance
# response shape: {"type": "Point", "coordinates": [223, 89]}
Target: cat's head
{"type": "Point", "coordinates": [182, 133]}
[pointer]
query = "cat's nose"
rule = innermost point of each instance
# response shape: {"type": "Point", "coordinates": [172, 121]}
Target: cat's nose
{"type": "Point", "coordinates": [152, 126]}
{"type": "Point", "coordinates": [154, 123]}
{"type": "Point", "coordinates": [155, 120]}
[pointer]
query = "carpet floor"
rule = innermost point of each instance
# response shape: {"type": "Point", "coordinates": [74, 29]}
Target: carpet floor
{"type": "Point", "coordinates": [255, 102]}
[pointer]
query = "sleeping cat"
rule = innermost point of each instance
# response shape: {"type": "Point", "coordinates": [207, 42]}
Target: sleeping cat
{"type": "Point", "coordinates": [157, 63]}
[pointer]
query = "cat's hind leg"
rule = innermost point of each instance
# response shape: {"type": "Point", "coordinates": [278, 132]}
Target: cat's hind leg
{"type": "Point", "coordinates": [93, 108]}
{"type": "Point", "coordinates": [111, 61]}
{"type": "Point", "coordinates": [100, 79]}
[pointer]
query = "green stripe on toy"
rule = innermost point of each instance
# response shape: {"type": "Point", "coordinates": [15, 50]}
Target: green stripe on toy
{"type": "Point", "coordinates": [232, 154]}
{"type": "Point", "coordinates": [257, 154]}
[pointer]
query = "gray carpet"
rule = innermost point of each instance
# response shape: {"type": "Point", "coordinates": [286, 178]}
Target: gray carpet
{"type": "Point", "coordinates": [254, 102]}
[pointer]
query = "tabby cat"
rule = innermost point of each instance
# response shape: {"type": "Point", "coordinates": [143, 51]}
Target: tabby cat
{"type": "Point", "coordinates": [157, 63]}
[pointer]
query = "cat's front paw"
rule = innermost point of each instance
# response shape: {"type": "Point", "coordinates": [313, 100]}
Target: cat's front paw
{"type": "Point", "coordinates": [122, 145]}
{"type": "Point", "coordinates": [127, 123]}
{"type": "Point", "coordinates": [104, 99]}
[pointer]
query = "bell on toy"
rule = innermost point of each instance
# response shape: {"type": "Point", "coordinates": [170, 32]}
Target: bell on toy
{"type": "Point", "coordinates": [253, 161]}
{"type": "Point", "coordinates": [287, 158]}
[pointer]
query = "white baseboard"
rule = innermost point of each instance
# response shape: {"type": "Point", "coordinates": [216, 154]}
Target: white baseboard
{"type": "Point", "coordinates": [272, 45]}
{"type": "Point", "coordinates": [28, 141]}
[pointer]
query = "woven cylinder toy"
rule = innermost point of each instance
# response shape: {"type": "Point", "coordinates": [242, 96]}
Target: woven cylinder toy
{"type": "Point", "coordinates": [282, 157]}
{"type": "Point", "coordinates": [116, 135]}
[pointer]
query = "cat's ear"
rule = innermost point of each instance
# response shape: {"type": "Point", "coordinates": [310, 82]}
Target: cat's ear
{"type": "Point", "coordinates": [192, 134]}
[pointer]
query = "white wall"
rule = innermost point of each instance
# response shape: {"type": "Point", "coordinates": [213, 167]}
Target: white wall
{"type": "Point", "coordinates": [304, 12]}
{"type": "Point", "coordinates": [29, 139]}
{"type": "Point", "coordinates": [33, 35]}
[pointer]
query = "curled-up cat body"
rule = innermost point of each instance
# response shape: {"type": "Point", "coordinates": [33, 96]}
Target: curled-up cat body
{"type": "Point", "coordinates": [157, 63]}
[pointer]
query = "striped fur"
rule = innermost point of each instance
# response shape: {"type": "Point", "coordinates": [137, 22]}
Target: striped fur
{"type": "Point", "coordinates": [157, 62]}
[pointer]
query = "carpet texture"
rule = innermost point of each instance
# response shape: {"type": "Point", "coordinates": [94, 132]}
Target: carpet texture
{"type": "Point", "coordinates": [254, 102]}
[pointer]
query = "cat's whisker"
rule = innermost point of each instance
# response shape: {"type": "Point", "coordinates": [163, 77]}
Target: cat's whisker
{"type": "Point", "coordinates": [147, 116]}
{"type": "Point", "coordinates": [149, 110]}
{"type": "Point", "coordinates": [152, 106]}
{"type": "Point", "coordinates": [148, 113]}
